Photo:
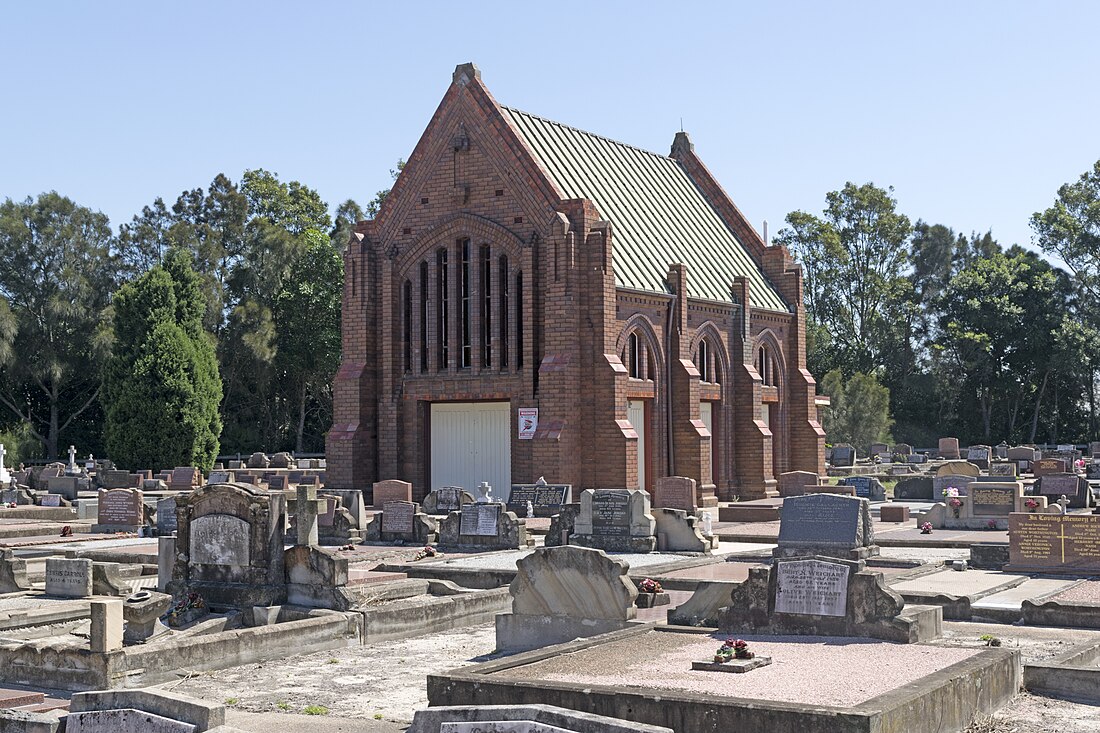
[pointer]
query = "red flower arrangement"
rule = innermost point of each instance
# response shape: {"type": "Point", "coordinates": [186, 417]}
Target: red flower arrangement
{"type": "Point", "coordinates": [649, 585]}
{"type": "Point", "coordinates": [733, 649]}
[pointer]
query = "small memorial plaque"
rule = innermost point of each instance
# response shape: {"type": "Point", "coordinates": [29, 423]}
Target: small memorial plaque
{"type": "Point", "coordinates": [398, 516]}
{"type": "Point", "coordinates": [50, 500]}
{"type": "Point", "coordinates": [1056, 542]}
{"type": "Point", "coordinates": [811, 587]}
{"type": "Point", "coordinates": [1003, 469]}
{"type": "Point", "coordinates": [992, 500]}
{"type": "Point", "coordinates": [482, 520]}
{"type": "Point", "coordinates": [611, 513]}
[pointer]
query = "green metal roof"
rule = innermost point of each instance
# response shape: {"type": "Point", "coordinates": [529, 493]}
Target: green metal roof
{"type": "Point", "coordinates": [659, 215]}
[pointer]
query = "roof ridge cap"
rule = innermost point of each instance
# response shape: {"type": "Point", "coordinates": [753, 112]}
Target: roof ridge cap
{"type": "Point", "coordinates": [596, 135]}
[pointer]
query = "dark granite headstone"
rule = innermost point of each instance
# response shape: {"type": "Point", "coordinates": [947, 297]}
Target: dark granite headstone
{"type": "Point", "coordinates": [546, 499]}
{"type": "Point", "coordinates": [866, 487]}
{"type": "Point", "coordinates": [166, 516]}
{"type": "Point", "coordinates": [843, 455]}
{"type": "Point", "coordinates": [611, 513]}
{"type": "Point", "coordinates": [1075, 488]}
{"type": "Point", "coordinates": [826, 524]}
{"type": "Point", "coordinates": [918, 488]}
{"type": "Point", "coordinates": [397, 516]}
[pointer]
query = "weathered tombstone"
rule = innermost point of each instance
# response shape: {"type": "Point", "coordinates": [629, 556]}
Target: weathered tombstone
{"type": "Point", "coordinates": [1000, 452]}
{"type": "Point", "coordinates": [546, 499]}
{"type": "Point", "coordinates": [120, 510]}
{"type": "Point", "coordinates": [982, 505]}
{"type": "Point", "coordinates": [229, 545]}
{"type": "Point", "coordinates": [282, 460]}
{"type": "Point", "coordinates": [1022, 453]}
{"type": "Point", "coordinates": [391, 490]}
{"type": "Point", "coordinates": [115, 480]}
{"type": "Point", "coordinates": [1045, 466]}
{"type": "Point", "coordinates": [561, 525]}
{"type": "Point", "coordinates": [166, 560]}
{"type": "Point", "coordinates": [401, 521]}
{"type": "Point", "coordinates": [13, 572]}
{"type": "Point", "coordinates": [485, 526]}
{"type": "Point", "coordinates": [66, 486]}
{"type": "Point", "coordinates": [844, 455]}
{"type": "Point", "coordinates": [918, 488]}
{"type": "Point", "coordinates": [879, 448]}
{"type": "Point", "coordinates": [1092, 470]}
{"type": "Point", "coordinates": [825, 596]}
{"type": "Point", "coordinates": [917, 458]}
{"type": "Point", "coordinates": [902, 470]}
{"type": "Point", "coordinates": [51, 500]}
{"type": "Point", "coordinates": [447, 499]}
{"type": "Point", "coordinates": [1072, 486]}
{"type": "Point", "coordinates": [903, 449]}
{"type": "Point", "coordinates": [866, 487]}
{"type": "Point", "coordinates": [979, 455]}
{"type": "Point", "coordinates": [258, 460]}
{"type": "Point", "coordinates": [166, 516]}
{"type": "Point", "coordinates": [958, 468]}
{"type": "Point", "coordinates": [794, 483]}
{"type": "Point", "coordinates": [562, 593]}
{"type": "Point", "coordinates": [1003, 469]}
{"type": "Point", "coordinates": [676, 492]}
{"type": "Point", "coordinates": [949, 448]}
{"type": "Point", "coordinates": [68, 578]}
{"type": "Point", "coordinates": [826, 524]}
{"type": "Point", "coordinates": [317, 578]}
{"type": "Point", "coordinates": [219, 477]}
{"type": "Point", "coordinates": [353, 501]}
{"type": "Point", "coordinates": [680, 531]}
{"type": "Point", "coordinates": [1059, 543]}
{"type": "Point", "coordinates": [617, 520]}
{"type": "Point", "coordinates": [184, 478]}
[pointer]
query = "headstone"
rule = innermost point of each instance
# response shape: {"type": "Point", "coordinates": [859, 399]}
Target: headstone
{"type": "Point", "coordinates": [958, 468]}
{"type": "Point", "coordinates": [993, 500]}
{"type": "Point", "coordinates": [844, 455]}
{"type": "Point", "coordinates": [950, 481]}
{"type": "Point", "coordinates": [166, 516]}
{"type": "Point", "coordinates": [1022, 453]}
{"type": "Point", "coordinates": [1068, 543]}
{"type": "Point", "coordinates": [903, 449]}
{"type": "Point", "coordinates": [676, 492]}
{"type": "Point", "coordinates": [480, 519]}
{"type": "Point", "coordinates": [327, 509]}
{"type": "Point", "coordinates": [1000, 452]}
{"type": "Point", "coordinates": [866, 487]}
{"type": "Point", "coordinates": [219, 477]}
{"type": "Point", "coordinates": [447, 499]}
{"type": "Point", "coordinates": [485, 526]}
{"type": "Point", "coordinates": [68, 578]}
{"type": "Point", "coordinates": [679, 531]}
{"type": "Point", "coordinates": [949, 448]}
{"type": "Point", "coordinates": [72, 469]}
{"type": "Point", "coordinates": [979, 455]}
{"type": "Point", "coordinates": [13, 572]}
{"type": "Point", "coordinates": [397, 516]}
{"type": "Point", "coordinates": [120, 508]}
{"type": "Point", "coordinates": [392, 490]}
{"type": "Point", "coordinates": [1094, 449]}
{"type": "Point", "coordinates": [918, 488]}
{"type": "Point", "coordinates": [317, 578]}
{"type": "Point", "coordinates": [282, 460]}
{"type": "Point", "coordinates": [617, 520]}
{"type": "Point", "coordinates": [811, 587]}
{"type": "Point", "coordinates": [826, 524]}
{"type": "Point", "coordinates": [917, 458]}
{"type": "Point", "coordinates": [1072, 486]}
{"type": "Point", "coordinates": [1092, 470]}
{"type": "Point", "coordinates": [1003, 469]}
{"type": "Point", "coordinates": [879, 448]}
{"type": "Point", "coordinates": [547, 499]}
{"type": "Point", "coordinates": [184, 478]}
{"type": "Point", "coordinates": [258, 460]}
{"type": "Point", "coordinates": [66, 486]}
{"type": "Point", "coordinates": [1045, 466]}
{"type": "Point", "coordinates": [794, 483]}
{"type": "Point", "coordinates": [229, 545]}
{"type": "Point", "coordinates": [50, 500]}
{"type": "Point", "coordinates": [562, 593]}
{"type": "Point", "coordinates": [116, 480]}
{"type": "Point", "coordinates": [166, 560]}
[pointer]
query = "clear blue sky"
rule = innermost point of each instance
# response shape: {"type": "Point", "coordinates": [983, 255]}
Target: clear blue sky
{"type": "Point", "coordinates": [975, 112]}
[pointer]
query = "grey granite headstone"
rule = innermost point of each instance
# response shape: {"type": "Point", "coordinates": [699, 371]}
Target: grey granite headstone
{"type": "Point", "coordinates": [480, 520]}
{"type": "Point", "coordinates": [166, 515]}
{"type": "Point", "coordinates": [398, 516]}
{"type": "Point", "coordinates": [826, 524]}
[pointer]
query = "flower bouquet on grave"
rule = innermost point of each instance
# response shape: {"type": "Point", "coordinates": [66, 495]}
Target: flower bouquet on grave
{"type": "Point", "coordinates": [950, 491]}
{"type": "Point", "coordinates": [926, 528]}
{"type": "Point", "coordinates": [991, 524]}
{"type": "Point", "coordinates": [733, 649]}
{"type": "Point", "coordinates": [649, 585]}
{"type": "Point", "coordinates": [955, 503]}
{"type": "Point", "coordinates": [1031, 504]}
{"type": "Point", "coordinates": [428, 551]}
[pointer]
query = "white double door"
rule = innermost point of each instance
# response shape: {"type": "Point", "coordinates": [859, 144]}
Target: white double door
{"type": "Point", "coordinates": [471, 443]}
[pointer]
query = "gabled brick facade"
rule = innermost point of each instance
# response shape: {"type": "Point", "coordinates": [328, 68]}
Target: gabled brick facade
{"type": "Point", "coordinates": [532, 315]}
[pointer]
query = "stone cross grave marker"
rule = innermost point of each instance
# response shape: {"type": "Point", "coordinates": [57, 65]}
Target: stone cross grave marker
{"type": "Point", "coordinates": [811, 587]}
{"type": "Point", "coordinates": [72, 468]}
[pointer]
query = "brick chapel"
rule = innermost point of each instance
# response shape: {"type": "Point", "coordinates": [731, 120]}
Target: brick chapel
{"type": "Point", "coordinates": [535, 301]}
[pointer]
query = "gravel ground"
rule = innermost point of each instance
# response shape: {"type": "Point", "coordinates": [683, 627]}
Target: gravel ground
{"type": "Point", "coordinates": [384, 681]}
{"type": "Point", "coordinates": [1033, 714]}
{"type": "Point", "coordinates": [1087, 592]}
{"type": "Point", "coordinates": [804, 669]}
{"type": "Point", "coordinates": [1036, 643]}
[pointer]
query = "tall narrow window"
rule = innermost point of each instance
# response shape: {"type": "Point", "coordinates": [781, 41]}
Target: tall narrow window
{"type": "Point", "coordinates": [441, 308]}
{"type": "Point", "coordinates": [407, 315]}
{"type": "Point", "coordinates": [502, 321]}
{"type": "Point", "coordinates": [485, 264]}
{"type": "Point", "coordinates": [466, 354]}
{"type": "Point", "coordinates": [703, 362]}
{"type": "Point", "coordinates": [633, 357]}
{"type": "Point", "coordinates": [424, 316]}
{"type": "Point", "coordinates": [519, 320]}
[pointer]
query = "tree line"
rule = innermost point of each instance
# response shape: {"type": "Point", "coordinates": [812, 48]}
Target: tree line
{"type": "Point", "coordinates": [208, 325]}
{"type": "Point", "coordinates": [918, 331]}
